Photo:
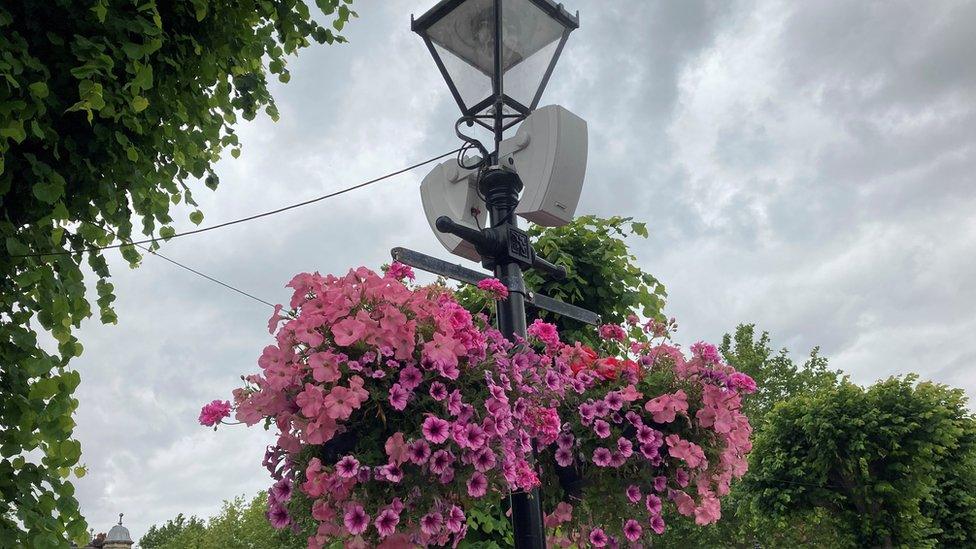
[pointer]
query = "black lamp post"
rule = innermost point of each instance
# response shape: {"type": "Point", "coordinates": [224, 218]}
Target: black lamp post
{"type": "Point", "coordinates": [497, 57]}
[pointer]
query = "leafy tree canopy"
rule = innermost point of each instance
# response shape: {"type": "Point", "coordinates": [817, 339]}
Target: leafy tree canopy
{"type": "Point", "coordinates": [110, 110]}
{"type": "Point", "coordinates": [240, 524]}
{"type": "Point", "coordinates": [895, 462]}
{"type": "Point", "coordinates": [603, 275]}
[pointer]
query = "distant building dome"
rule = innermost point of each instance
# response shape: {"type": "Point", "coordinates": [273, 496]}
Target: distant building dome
{"type": "Point", "coordinates": [118, 533]}
{"type": "Point", "coordinates": [118, 537]}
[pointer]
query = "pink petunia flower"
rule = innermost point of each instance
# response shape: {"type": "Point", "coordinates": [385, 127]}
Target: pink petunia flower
{"type": "Point", "coordinates": [418, 451]}
{"type": "Point", "coordinates": [435, 430]}
{"type": "Point", "coordinates": [633, 493]}
{"type": "Point", "coordinates": [598, 538]}
{"type": "Point", "coordinates": [602, 457]}
{"type": "Point", "coordinates": [430, 523]}
{"type": "Point", "coordinates": [632, 530]}
{"type": "Point", "coordinates": [386, 522]}
{"type": "Point", "coordinates": [278, 516]}
{"type": "Point", "coordinates": [399, 397]}
{"type": "Point", "coordinates": [455, 519]}
{"type": "Point", "coordinates": [438, 391]}
{"type": "Point", "coordinates": [356, 520]}
{"type": "Point", "coordinates": [653, 504]}
{"type": "Point", "coordinates": [657, 524]}
{"type": "Point", "coordinates": [348, 331]}
{"type": "Point", "coordinates": [347, 467]}
{"type": "Point", "coordinates": [477, 485]}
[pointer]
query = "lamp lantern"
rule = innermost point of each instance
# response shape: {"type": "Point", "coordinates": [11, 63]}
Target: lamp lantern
{"type": "Point", "coordinates": [496, 55]}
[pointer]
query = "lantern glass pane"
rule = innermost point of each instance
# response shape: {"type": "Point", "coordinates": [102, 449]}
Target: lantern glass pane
{"type": "Point", "coordinates": [468, 32]}
{"type": "Point", "coordinates": [523, 80]}
{"type": "Point", "coordinates": [471, 84]}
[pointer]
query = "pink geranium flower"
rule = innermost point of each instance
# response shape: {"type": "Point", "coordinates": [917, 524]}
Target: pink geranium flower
{"type": "Point", "coordinates": [494, 287]}
{"type": "Point", "coordinates": [399, 271]}
{"type": "Point", "coordinates": [211, 414]}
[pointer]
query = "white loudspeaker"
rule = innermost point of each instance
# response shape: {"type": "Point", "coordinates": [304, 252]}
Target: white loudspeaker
{"type": "Point", "coordinates": [548, 152]}
{"type": "Point", "coordinates": [452, 191]}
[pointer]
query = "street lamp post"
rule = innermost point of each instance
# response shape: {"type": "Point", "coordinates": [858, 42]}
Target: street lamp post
{"type": "Point", "coordinates": [496, 57]}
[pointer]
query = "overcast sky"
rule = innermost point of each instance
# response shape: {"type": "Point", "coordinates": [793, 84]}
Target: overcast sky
{"type": "Point", "coordinates": [806, 167]}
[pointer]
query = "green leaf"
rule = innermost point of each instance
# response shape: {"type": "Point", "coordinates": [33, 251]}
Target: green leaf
{"type": "Point", "coordinates": [196, 217]}
{"type": "Point", "coordinates": [14, 130]}
{"type": "Point", "coordinates": [236, 153]}
{"type": "Point", "coordinates": [132, 154]}
{"type": "Point", "coordinates": [167, 232]}
{"type": "Point", "coordinates": [48, 191]}
{"type": "Point", "coordinates": [38, 89]}
{"type": "Point", "coordinates": [139, 103]}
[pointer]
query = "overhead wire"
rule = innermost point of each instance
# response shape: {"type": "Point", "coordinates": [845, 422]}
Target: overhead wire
{"type": "Point", "coordinates": [188, 268]}
{"type": "Point", "coordinates": [243, 219]}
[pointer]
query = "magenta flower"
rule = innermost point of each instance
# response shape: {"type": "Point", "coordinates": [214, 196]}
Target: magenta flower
{"type": "Point", "coordinates": [598, 538]}
{"type": "Point", "coordinates": [455, 519]}
{"type": "Point", "coordinates": [625, 447]}
{"type": "Point", "coordinates": [564, 456]}
{"type": "Point", "coordinates": [418, 451]}
{"type": "Point", "coordinates": [410, 377]}
{"type": "Point", "coordinates": [440, 461]}
{"type": "Point", "coordinates": [430, 523]}
{"type": "Point", "coordinates": [682, 478]}
{"type": "Point", "coordinates": [706, 351]}
{"type": "Point", "coordinates": [438, 391]}
{"type": "Point", "coordinates": [356, 520]}
{"type": "Point", "coordinates": [281, 490]}
{"type": "Point", "coordinates": [494, 287]}
{"type": "Point", "coordinates": [612, 332]}
{"type": "Point", "coordinates": [212, 413]}
{"type": "Point", "coordinates": [653, 504]}
{"type": "Point", "coordinates": [347, 467]}
{"type": "Point", "coordinates": [602, 457]}
{"type": "Point", "coordinates": [436, 430]}
{"type": "Point", "coordinates": [657, 524]}
{"type": "Point", "coordinates": [386, 522]}
{"type": "Point", "coordinates": [660, 483]}
{"type": "Point", "coordinates": [633, 493]}
{"type": "Point", "coordinates": [742, 383]}
{"type": "Point", "coordinates": [278, 516]}
{"type": "Point", "coordinates": [477, 485]}
{"type": "Point", "coordinates": [399, 271]}
{"type": "Point", "coordinates": [601, 428]}
{"type": "Point", "coordinates": [632, 530]}
{"type": "Point", "coordinates": [399, 397]}
{"type": "Point", "coordinates": [484, 460]}
{"type": "Point", "coordinates": [544, 332]}
{"type": "Point", "coordinates": [565, 440]}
